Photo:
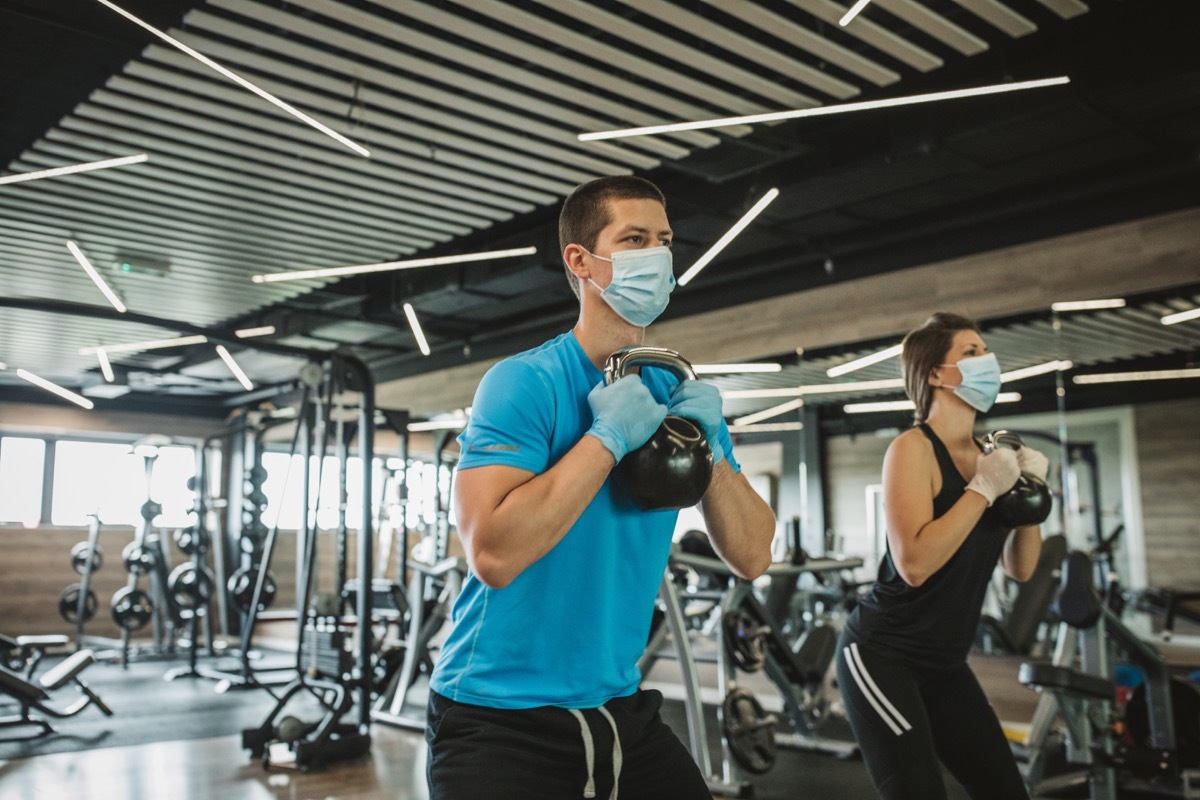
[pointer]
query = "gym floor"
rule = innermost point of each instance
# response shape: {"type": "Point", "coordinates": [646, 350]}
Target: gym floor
{"type": "Point", "coordinates": [180, 739]}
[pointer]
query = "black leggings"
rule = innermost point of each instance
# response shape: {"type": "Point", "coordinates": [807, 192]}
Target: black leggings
{"type": "Point", "coordinates": [907, 720]}
{"type": "Point", "coordinates": [505, 754]}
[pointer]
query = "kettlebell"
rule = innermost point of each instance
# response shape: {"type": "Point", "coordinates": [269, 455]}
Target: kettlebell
{"type": "Point", "coordinates": [1028, 501]}
{"type": "Point", "coordinates": [673, 468]}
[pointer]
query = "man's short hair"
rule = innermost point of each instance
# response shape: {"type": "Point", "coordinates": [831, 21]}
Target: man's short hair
{"type": "Point", "coordinates": [587, 210]}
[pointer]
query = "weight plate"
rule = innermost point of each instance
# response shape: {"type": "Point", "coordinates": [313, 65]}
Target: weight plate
{"type": "Point", "coordinates": [68, 604]}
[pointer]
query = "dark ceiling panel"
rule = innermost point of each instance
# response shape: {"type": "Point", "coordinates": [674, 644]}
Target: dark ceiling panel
{"type": "Point", "coordinates": [472, 110]}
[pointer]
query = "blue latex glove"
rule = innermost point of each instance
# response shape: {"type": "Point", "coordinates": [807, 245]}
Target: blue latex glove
{"type": "Point", "coordinates": [701, 403]}
{"type": "Point", "coordinates": [1033, 462]}
{"type": "Point", "coordinates": [625, 414]}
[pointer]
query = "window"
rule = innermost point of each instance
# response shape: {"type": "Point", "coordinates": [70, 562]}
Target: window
{"type": "Point", "coordinates": [288, 505]}
{"type": "Point", "coordinates": [22, 463]}
{"type": "Point", "coordinates": [110, 480]}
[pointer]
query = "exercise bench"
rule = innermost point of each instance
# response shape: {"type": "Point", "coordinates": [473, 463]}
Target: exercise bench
{"type": "Point", "coordinates": [35, 696]}
{"type": "Point", "coordinates": [24, 653]}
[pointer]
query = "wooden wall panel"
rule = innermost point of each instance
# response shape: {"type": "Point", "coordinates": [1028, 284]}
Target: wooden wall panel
{"type": "Point", "coordinates": [1153, 253]}
{"type": "Point", "coordinates": [1168, 439]}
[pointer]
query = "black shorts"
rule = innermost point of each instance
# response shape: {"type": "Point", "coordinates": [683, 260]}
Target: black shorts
{"type": "Point", "coordinates": [543, 753]}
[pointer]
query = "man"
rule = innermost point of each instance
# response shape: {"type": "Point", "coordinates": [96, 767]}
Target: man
{"type": "Point", "coordinates": [535, 694]}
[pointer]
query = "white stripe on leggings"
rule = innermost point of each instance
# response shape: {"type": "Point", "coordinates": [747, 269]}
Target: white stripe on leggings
{"type": "Point", "coordinates": [877, 699]}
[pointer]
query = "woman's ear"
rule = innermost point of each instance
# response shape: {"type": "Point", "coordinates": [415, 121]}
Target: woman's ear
{"type": "Point", "coordinates": [935, 379]}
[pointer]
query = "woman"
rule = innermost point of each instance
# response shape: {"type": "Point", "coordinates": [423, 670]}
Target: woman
{"type": "Point", "coordinates": [902, 670]}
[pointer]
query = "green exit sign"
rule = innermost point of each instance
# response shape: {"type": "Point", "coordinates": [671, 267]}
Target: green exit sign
{"type": "Point", "coordinates": [130, 264]}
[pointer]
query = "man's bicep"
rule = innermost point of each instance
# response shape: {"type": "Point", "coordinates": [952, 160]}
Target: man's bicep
{"type": "Point", "coordinates": [479, 491]}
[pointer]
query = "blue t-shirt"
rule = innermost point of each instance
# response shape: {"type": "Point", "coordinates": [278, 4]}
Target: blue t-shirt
{"type": "Point", "coordinates": [569, 630]}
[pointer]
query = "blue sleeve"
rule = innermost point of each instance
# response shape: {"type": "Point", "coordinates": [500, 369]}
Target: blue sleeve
{"type": "Point", "coordinates": [511, 420]}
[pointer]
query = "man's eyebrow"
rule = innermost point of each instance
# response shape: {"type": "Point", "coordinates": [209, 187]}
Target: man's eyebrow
{"type": "Point", "coordinates": [640, 229]}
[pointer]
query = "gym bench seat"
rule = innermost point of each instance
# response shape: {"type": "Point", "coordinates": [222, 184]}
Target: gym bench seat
{"type": "Point", "coordinates": [1065, 679]}
{"type": "Point", "coordinates": [30, 696]}
{"type": "Point", "coordinates": [24, 653]}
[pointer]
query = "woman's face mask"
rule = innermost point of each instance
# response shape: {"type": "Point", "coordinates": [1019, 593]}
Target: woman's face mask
{"type": "Point", "coordinates": [980, 381]}
{"type": "Point", "coordinates": [641, 284]}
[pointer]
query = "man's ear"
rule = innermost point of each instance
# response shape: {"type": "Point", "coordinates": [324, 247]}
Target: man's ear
{"type": "Point", "coordinates": [574, 256]}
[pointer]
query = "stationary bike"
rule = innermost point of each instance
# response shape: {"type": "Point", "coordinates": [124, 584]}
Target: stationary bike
{"type": "Point", "coordinates": [1151, 746]}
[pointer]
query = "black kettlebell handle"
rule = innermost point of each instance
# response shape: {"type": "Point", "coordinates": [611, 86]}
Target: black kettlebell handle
{"type": "Point", "coordinates": [621, 362]}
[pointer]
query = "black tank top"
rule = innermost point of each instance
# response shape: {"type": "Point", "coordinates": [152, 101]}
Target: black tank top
{"type": "Point", "coordinates": [933, 624]}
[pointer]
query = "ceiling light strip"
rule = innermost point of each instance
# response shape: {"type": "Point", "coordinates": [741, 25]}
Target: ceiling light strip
{"type": "Point", "coordinates": [240, 81]}
{"type": "Point", "coordinates": [865, 361]}
{"type": "Point", "coordinates": [853, 12]}
{"type": "Point", "coordinates": [1088, 305]}
{"type": "Point", "coordinates": [247, 333]}
{"type": "Point", "coordinates": [415, 324]}
{"type": "Point", "coordinates": [153, 344]}
{"type": "Point", "coordinates": [726, 369]}
{"type": "Point", "coordinates": [105, 367]}
{"type": "Point", "coordinates": [729, 236]}
{"type": "Point", "coordinates": [72, 169]}
{"type": "Point", "coordinates": [908, 405]}
{"type": "Point", "coordinates": [818, 388]}
{"type": "Point", "coordinates": [1036, 369]}
{"type": "Point", "coordinates": [770, 427]}
{"type": "Point", "coordinates": [412, 263]}
{"type": "Point", "coordinates": [234, 368]}
{"type": "Point", "coordinates": [773, 411]}
{"type": "Point", "coordinates": [820, 111]}
{"type": "Point", "coordinates": [1150, 375]}
{"type": "Point", "coordinates": [437, 425]}
{"type": "Point", "coordinates": [1181, 316]}
{"type": "Point", "coordinates": [95, 276]}
{"type": "Point", "coordinates": [54, 388]}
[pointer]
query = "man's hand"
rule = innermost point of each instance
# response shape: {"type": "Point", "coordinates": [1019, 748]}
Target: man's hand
{"type": "Point", "coordinates": [701, 403]}
{"type": "Point", "coordinates": [625, 414]}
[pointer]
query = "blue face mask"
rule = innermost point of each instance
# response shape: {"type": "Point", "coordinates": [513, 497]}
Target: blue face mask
{"type": "Point", "coordinates": [980, 381]}
{"type": "Point", "coordinates": [641, 284]}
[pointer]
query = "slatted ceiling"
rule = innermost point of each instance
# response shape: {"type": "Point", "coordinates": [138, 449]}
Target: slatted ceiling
{"type": "Point", "coordinates": [389, 83]}
{"type": "Point", "coordinates": [277, 212]}
{"type": "Point", "coordinates": [242, 172]}
{"type": "Point", "coordinates": [735, 43]}
{"type": "Point", "coordinates": [292, 165]}
{"type": "Point", "coordinates": [1065, 8]}
{"type": "Point", "coordinates": [1001, 16]}
{"type": "Point", "coordinates": [48, 344]}
{"type": "Point", "coordinates": [152, 231]}
{"type": "Point", "coordinates": [872, 34]}
{"type": "Point", "coordinates": [807, 40]}
{"type": "Point", "coordinates": [266, 131]}
{"type": "Point", "coordinates": [565, 88]}
{"type": "Point", "coordinates": [457, 198]}
{"type": "Point", "coordinates": [548, 176]}
{"type": "Point", "coordinates": [409, 99]}
{"type": "Point", "coordinates": [457, 87]}
{"type": "Point", "coordinates": [471, 108]}
{"type": "Point", "coordinates": [410, 152]}
{"type": "Point", "coordinates": [228, 212]}
{"type": "Point", "coordinates": [934, 25]}
{"type": "Point", "coordinates": [378, 136]}
{"type": "Point", "coordinates": [570, 38]}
